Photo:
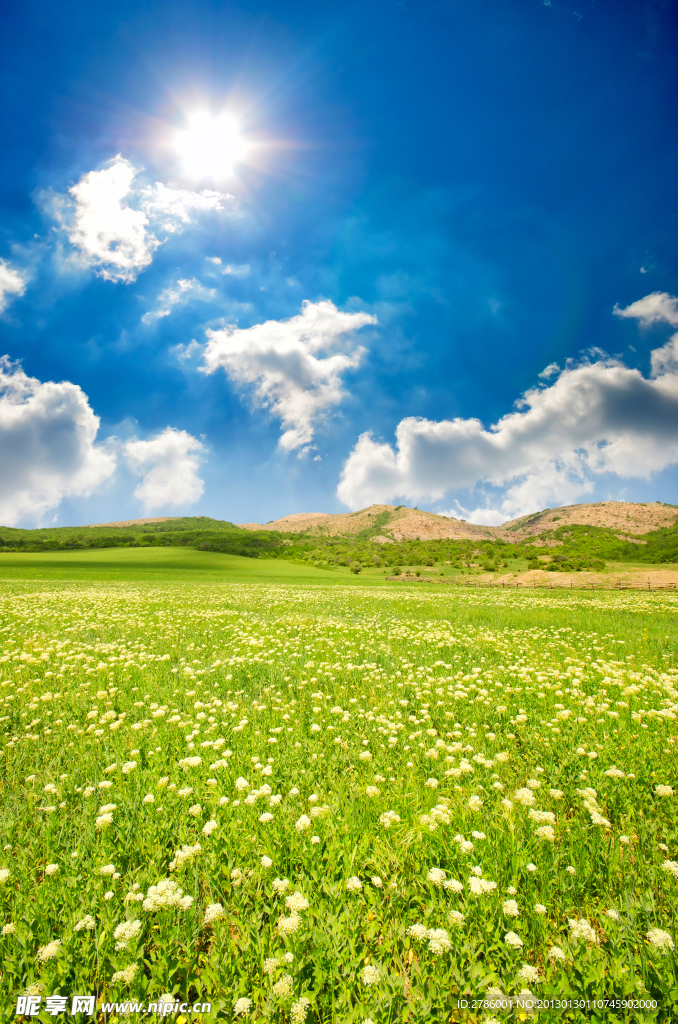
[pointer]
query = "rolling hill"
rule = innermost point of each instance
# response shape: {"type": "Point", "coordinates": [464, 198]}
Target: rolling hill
{"type": "Point", "coordinates": [398, 522]}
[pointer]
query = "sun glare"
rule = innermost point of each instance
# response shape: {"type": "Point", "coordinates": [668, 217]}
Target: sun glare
{"type": "Point", "coordinates": [210, 147]}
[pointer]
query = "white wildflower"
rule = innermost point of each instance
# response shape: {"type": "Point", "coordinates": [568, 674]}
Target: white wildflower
{"type": "Point", "coordinates": [213, 912]}
{"type": "Point", "coordinates": [299, 1010]}
{"type": "Point", "coordinates": [581, 929]}
{"type": "Point", "coordinates": [370, 974]}
{"type": "Point", "coordinates": [126, 976]}
{"type": "Point", "coordinates": [86, 923]}
{"type": "Point", "coordinates": [271, 965]}
{"type": "Point", "coordinates": [297, 903]}
{"type": "Point", "coordinates": [439, 941]}
{"type": "Point", "coordinates": [284, 988]}
{"type": "Point", "coordinates": [389, 818]}
{"type": "Point", "coordinates": [50, 951]}
{"type": "Point", "coordinates": [289, 925]}
{"type": "Point", "coordinates": [660, 940]}
{"type": "Point", "coordinates": [125, 932]}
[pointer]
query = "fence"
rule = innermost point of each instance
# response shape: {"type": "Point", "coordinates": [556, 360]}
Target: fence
{"type": "Point", "coordinates": [533, 584]}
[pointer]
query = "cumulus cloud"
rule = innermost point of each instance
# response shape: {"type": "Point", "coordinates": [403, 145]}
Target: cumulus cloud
{"type": "Point", "coordinates": [658, 307]}
{"type": "Point", "coordinates": [289, 363]}
{"type": "Point", "coordinates": [112, 222]}
{"type": "Point", "coordinates": [478, 516]}
{"type": "Point", "coordinates": [12, 284]}
{"type": "Point", "coordinates": [600, 417]}
{"type": "Point", "coordinates": [168, 465]}
{"type": "Point", "coordinates": [47, 449]}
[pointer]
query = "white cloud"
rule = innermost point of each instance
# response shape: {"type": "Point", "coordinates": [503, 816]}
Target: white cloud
{"type": "Point", "coordinates": [237, 270]}
{"type": "Point", "coordinates": [109, 233]}
{"type": "Point", "coordinates": [288, 364]}
{"type": "Point", "coordinates": [184, 352]}
{"type": "Point", "coordinates": [112, 223]}
{"type": "Point", "coordinates": [168, 465]}
{"type": "Point", "coordinates": [47, 450]}
{"type": "Point", "coordinates": [12, 284]}
{"type": "Point", "coordinates": [169, 208]}
{"type": "Point", "coordinates": [478, 516]}
{"type": "Point", "coordinates": [176, 295]}
{"type": "Point", "coordinates": [486, 517]}
{"type": "Point", "coordinates": [601, 417]}
{"type": "Point", "coordinates": [665, 359]}
{"type": "Point", "coordinates": [549, 371]}
{"type": "Point", "coordinates": [658, 307]}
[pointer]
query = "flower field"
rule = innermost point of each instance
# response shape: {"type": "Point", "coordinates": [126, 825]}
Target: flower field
{"type": "Point", "coordinates": [340, 804]}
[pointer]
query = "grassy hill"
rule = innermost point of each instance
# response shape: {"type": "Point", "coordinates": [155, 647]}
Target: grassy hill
{"type": "Point", "coordinates": [166, 565]}
{"type": "Point", "coordinates": [376, 542]}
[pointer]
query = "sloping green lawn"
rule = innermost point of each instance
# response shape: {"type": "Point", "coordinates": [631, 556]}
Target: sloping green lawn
{"type": "Point", "coordinates": [168, 564]}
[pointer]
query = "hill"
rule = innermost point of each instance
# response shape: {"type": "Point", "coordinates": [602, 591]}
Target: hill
{"type": "Point", "coordinates": [392, 522]}
{"type": "Point", "coordinates": [589, 537]}
{"type": "Point", "coordinates": [625, 517]}
{"type": "Point", "coordinates": [398, 522]}
{"type": "Point", "coordinates": [132, 522]}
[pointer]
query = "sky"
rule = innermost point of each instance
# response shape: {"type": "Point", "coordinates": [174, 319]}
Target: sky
{"type": "Point", "coordinates": [264, 258]}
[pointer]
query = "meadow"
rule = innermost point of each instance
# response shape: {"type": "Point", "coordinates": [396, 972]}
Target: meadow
{"type": "Point", "coordinates": [309, 802]}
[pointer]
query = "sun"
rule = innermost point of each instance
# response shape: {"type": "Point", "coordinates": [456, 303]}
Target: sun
{"type": "Point", "coordinates": [210, 146]}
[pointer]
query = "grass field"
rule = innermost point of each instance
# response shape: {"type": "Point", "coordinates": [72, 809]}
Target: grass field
{"type": "Point", "coordinates": [166, 565]}
{"type": "Point", "coordinates": [334, 803]}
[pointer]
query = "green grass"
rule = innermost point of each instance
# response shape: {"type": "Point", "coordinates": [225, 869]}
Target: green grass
{"type": "Point", "coordinates": [171, 564]}
{"type": "Point", "coordinates": [378, 732]}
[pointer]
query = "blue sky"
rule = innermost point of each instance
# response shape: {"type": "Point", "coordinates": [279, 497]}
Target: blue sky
{"type": "Point", "coordinates": [414, 252]}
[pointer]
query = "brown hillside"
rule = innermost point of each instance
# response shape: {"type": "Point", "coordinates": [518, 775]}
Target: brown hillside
{"type": "Point", "coordinates": [622, 516]}
{"type": "Point", "coordinates": [404, 523]}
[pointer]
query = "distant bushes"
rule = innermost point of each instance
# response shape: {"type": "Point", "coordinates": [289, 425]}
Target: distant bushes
{"type": "Point", "coordinates": [572, 548]}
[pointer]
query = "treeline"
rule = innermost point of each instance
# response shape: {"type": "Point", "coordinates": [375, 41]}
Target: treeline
{"type": "Point", "coordinates": [195, 531]}
{"type": "Point", "coordinates": [602, 543]}
{"type": "Point", "coordinates": [569, 548]}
